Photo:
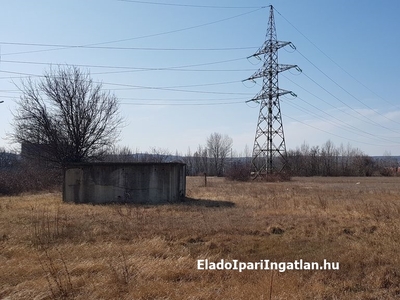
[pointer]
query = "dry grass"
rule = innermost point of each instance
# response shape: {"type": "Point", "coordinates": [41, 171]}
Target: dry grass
{"type": "Point", "coordinates": [54, 250]}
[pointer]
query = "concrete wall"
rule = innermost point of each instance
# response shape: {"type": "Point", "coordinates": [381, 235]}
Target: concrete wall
{"type": "Point", "coordinates": [124, 183]}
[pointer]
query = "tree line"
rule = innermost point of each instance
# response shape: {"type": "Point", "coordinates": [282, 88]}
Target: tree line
{"type": "Point", "coordinates": [217, 158]}
{"type": "Point", "coordinates": [306, 160]}
{"type": "Point", "coordinates": [329, 160]}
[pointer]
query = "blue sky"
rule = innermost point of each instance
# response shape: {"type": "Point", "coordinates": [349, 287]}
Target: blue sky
{"type": "Point", "coordinates": [177, 66]}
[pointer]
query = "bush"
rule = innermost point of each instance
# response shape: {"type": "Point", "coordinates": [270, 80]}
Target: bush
{"type": "Point", "coordinates": [239, 171]}
{"type": "Point", "coordinates": [277, 177]}
{"type": "Point", "coordinates": [24, 177]}
{"type": "Point", "coordinates": [385, 171]}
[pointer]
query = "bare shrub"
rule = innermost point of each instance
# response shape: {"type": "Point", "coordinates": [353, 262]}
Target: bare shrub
{"type": "Point", "coordinates": [239, 172]}
{"type": "Point", "coordinates": [27, 177]}
{"type": "Point", "coordinates": [274, 177]}
{"type": "Point", "coordinates": [385, 171]}
{"type": "Point", "coordinates": [121, 269]}
{"type": "Point", "coordinates": [57, 275]}
{"type": "Point", "coordinates": [323, 202]}
{"type": "Point", "coordinates": [48, 228]}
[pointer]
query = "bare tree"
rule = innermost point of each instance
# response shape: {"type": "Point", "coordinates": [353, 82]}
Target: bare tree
{"type": "Point", "coordinates": [189, 161]}
{"type": "Point", "coordinates": [120, 154]}
{"type": "Point", "coordinates": [200, 161]}
{"type": "Point", "coordinates": [327, 155]}
{"type": "Point", "coordinates": [68, 115]}
{"type": "Point", "coordinates": [157, 155]}
{"type": "Point", "coordinates": [219, 147]}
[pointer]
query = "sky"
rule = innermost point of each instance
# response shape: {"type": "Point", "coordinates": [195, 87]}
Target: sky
{"type": "Point", "coordinates": [177, 67]}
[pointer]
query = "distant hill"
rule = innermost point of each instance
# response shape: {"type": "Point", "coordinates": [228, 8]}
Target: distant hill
{"type": "Point", "coordinates": [386, 157]}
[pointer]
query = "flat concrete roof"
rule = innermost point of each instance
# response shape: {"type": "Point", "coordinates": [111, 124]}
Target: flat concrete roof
{"type": "Point", "coordinates": [89, 164]}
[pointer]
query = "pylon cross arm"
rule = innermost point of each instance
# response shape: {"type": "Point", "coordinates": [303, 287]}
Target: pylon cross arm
{"type": "Point", "coordinates": [273, 46]}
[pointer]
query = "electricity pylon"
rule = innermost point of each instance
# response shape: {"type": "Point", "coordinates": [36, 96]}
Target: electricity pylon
{"type": "Point", "coordinates": [269, 151]}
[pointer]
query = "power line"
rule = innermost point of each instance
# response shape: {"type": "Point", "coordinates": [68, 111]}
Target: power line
{"type": "Point", "coordinates": [181, 100]}
{"type": "Point", "coordinates": [330, 104]}
{"type": "Point", "coordinates": [18, 73]}
{"type": "Point", "coordinates": [351, 95]}
{"type": "Point", "coordinates": [330, 133]}
{"type": "Point", "coordinates": [121, 48]}
{"type": "Point", "coordinates": [369, 121]}
{"type": "Point", "coordinates": [339, 66]}
{"type": "Point", "coordinates": [200, 85]}
{"type": "Point", "coordinates": [133, 68]}
{"type": "Point", "coordinates": [181, 104]}
{"type": "Point", "coordinates": [119, 72]}
{"type": "Point", "coordinates": [190, 5]}
{"type": "Point", "coordinates": [346, 126]}
{"type": "Point", "coordinates": [171, 89]}
{"type": "Point", "coordinates": [144, 36]}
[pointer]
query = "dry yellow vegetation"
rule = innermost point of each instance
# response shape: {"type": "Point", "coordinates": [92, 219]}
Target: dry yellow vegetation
{"type": "Point", "coordinates": [55, 250]}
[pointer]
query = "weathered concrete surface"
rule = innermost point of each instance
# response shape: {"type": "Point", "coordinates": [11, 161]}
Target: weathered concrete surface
{"type": "Point", "coordinates": [100, 183]}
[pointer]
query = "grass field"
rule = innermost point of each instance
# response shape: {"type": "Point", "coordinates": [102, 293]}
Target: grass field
{"type": "Point", "coordinates": [55, 250]}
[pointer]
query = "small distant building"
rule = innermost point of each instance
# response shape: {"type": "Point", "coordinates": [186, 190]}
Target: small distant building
{"type": "Point", "coordinates": [37, 153]}
{"type": "Point", "coordinates": [102, 182]}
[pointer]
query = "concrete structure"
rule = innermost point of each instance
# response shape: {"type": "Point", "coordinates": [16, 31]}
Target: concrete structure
{"type": "Point", "coordinates": [100, 183]}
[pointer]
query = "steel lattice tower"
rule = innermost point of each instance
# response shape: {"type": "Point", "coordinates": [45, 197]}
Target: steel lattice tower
{"type": "Point", "coordinates": [269, 151]}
